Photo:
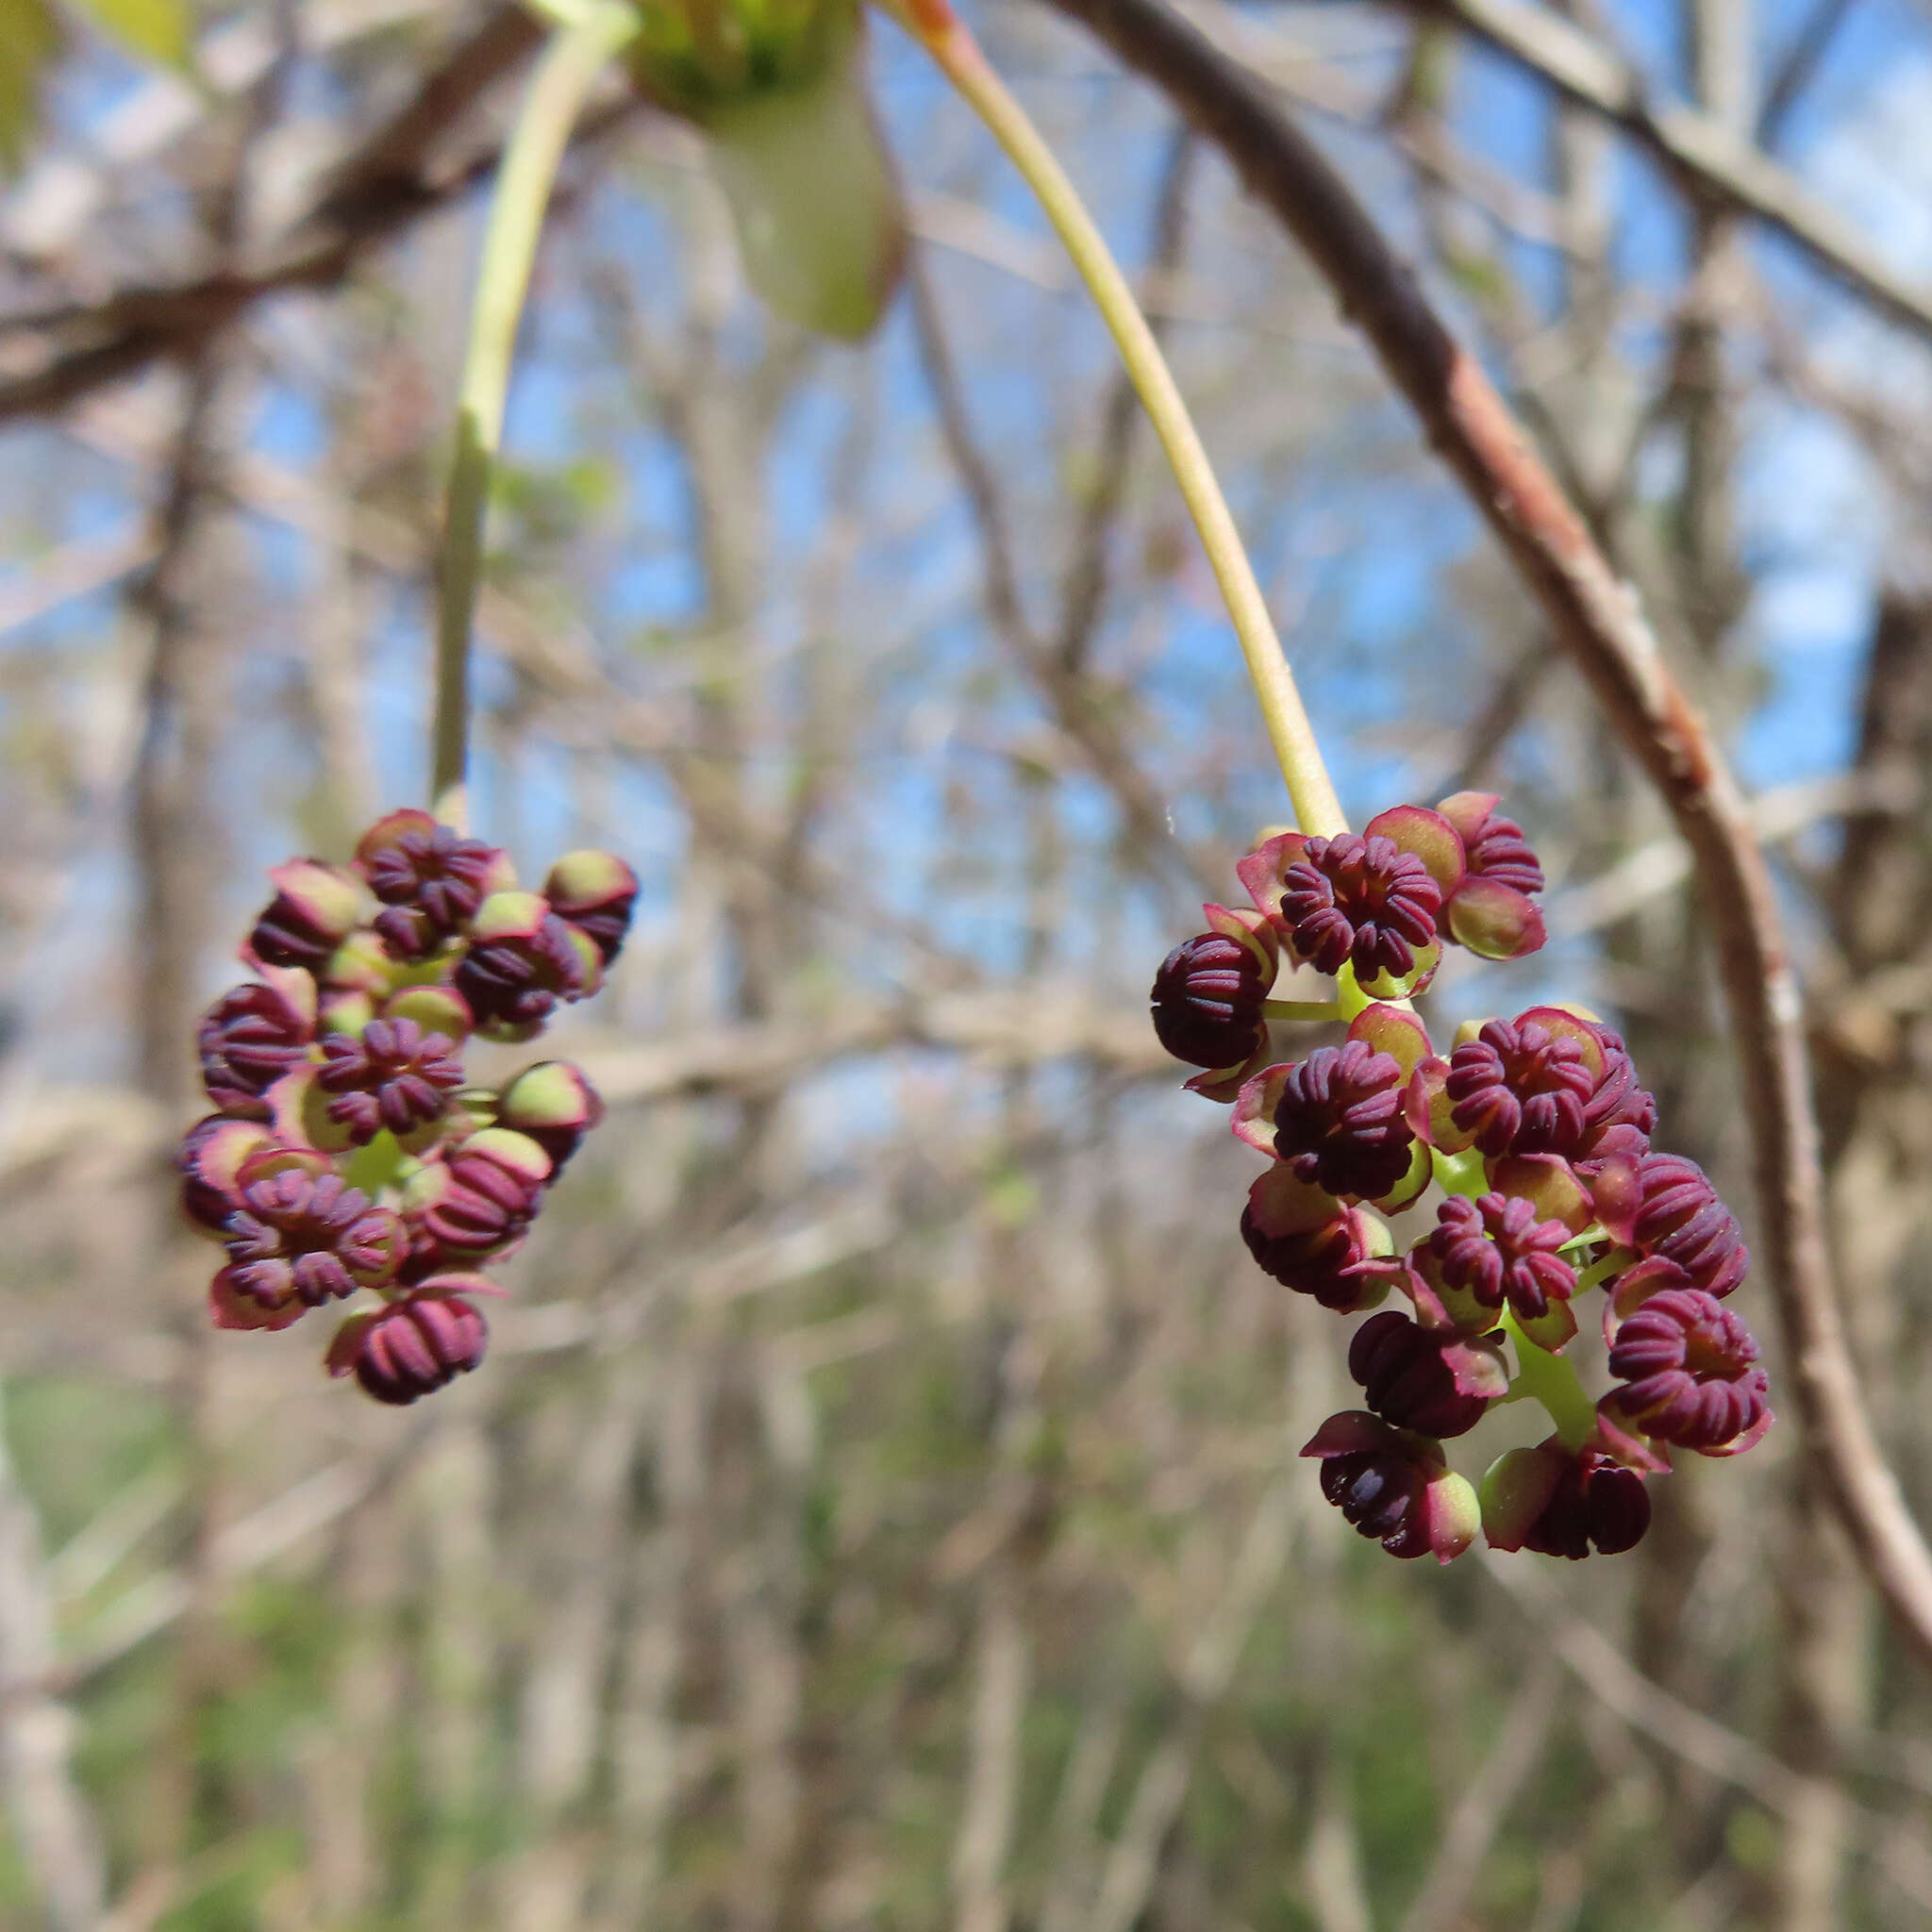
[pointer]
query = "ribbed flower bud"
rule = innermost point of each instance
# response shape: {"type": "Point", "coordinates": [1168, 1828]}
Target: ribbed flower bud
{"type": "Point", "coordinates": [477, 1200]}
{"type": "Point", "coordinates": [315, 908]}
{"type": "Point", "coordinates": [1440, 1385]}
{"type": "Point", "coordinates": [429, 877]}
{"type": "Point", "coordinates": [310, 1238]}
{"type": "Point", "coordinates": [250, 1037]}
{"type": "Point", "coordinates": [1324, 1261]}
{"type": "Point", "coordinates": [1339, 1121]}
{"type": "Point", "coordinates": [1394, 1488]}
{"type": "Point", "coordinates": [412, 1347]}
{"type": "Point", "coordinates": [554, 1104]}
{"type": "Point", "coordinates": [1692, 1368]}
{"type": "Point", "coordinates": [522, 962]}
{"type": "Point", "coordinates": [1359, 899]}
{"type": "Point", "coordinates": [1207, 999]}
{"type": "Point", "coordinates": [1518, 1087]}
{"type": "Point", "coordinates": [1682, 1220]}
{"type": "Point", "coordinates": [1559, 1503]}
{"type": "Point", "coordinates": [391, 1074]}
{"type": "Point", "coordinates": [594, 892]}
{"type": "Point", "coordinates": [1496, 1250]}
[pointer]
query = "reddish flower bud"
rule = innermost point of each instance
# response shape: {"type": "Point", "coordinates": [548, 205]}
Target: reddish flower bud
{"type": "Point", "coordinates": [1682, 1220]}
{"type": "Point", "coordinates": [429, 877]}
{"type": "Point", "coordinates": [315, 908]}
{"type": "Point", "coordinates": [1562, 1505]}
{"type": "Point", "coordinates": [411, 1348]}
{"type": "Point", "coordinates": [1619, 1116]}
{"type": "Point", "coordinates": [391, 1074]}
{"type": "Point", "coordinates": [1207, 999]}
{"type": "Point", "coordinates": [1360, 899]}
{"type": "Point", "coordinates": [250, 1037]}
{"type": "Point", "coordinates": [521, 962]}
{"type": "Point", "coordinates": [209, 1161]}
{"type": "Point", "coordinates": [1339, 1120]}
{"type": "Point", "coordinates": [307, 1236]}
{"type": "Point", "coordinates": [1520, 1087]}
{"type": "Point", "coordinates": [1495, 1249]}
{"type": "Point", "coordinates": [593, 891]}
{"type": "Point", "coordinates": [1438, 1384]}
{"type": "Point", "coordinates": [1493, 847]}
{"type": "Point", "coordinates": [553, 1103]}
{"type": "Point", "coordinates": [1692, 1366]}
{"type": "Point", "coordinates": [477, 1199]}
{"type": "Point", "coordinates": [1394, 1488]}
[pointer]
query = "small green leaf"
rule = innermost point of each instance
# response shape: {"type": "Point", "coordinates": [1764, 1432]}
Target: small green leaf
{"type": "Point", "coordinates": [158, 30]}
{"type": "Point", "coordinates": [29, 38]}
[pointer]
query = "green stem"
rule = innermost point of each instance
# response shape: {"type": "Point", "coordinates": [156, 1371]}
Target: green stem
{"type": "Point", "coordinates": [1303, 1009]}
{"type": "Point", "coordinates": [1551, 1380]}
{"type": "Point", "coordinates": [1613, 1263]}
{"type": "Point", "coordinates": [572, 59]}
{"type": "Point", "coordinates": [1317, 810]}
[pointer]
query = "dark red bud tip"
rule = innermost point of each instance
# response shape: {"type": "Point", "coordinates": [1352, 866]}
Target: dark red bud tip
{"type": "Point", "coordinates": [1340, 1123]}
{"type": "Point", "coordinates": [415, 1346]}
{"type": "Point", "coordinates": [1692, 1366]}
{"type": "Point", "coordinates": [1359, 899]}
{"type": "Point", "coordinates": [1207, 998]}
{"type": "Point", "coordinates": [1421, 1381]}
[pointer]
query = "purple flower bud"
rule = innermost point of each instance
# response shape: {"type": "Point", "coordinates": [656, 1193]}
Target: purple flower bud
{"type": "Point", "coordinates": [1682, 1220]}
{"type": "Point", "coordinates": [429, 877]}
{"type": "Point", "coordinates": [209, 1161]}
{"type": "Point", "coordinates": [391, 1074]}
{"type": "Point", "coordinates": [1325, 1261]}
{"type": "Point", "coordinates": [1207, 999]}
{"type": "Point", "coordinates": [411, 1348]}
{"type": "Point", "coordinates": [310, 1238]}
{"type": "Point", "coordinates": [1619, 1116]}
{"type": "Point", "coordinates": [1692, 1366]}
{"type": "Point", "coordinates": [1518, 1087]}
{"type": "Point", "coordinates": [1339, 1121]}
{"type": "Point", "coordinates": [1394, 1488]}
{"type": "Point", "coordinates": [593, 891]}
{"type": "Point", "coordinates": [1562, 1505]}
{"type": "Point", "coordinates": [315, 908]}
{"type": "Point", "coordinates": [250, 1037]}
{"type": "Point", "coordinates": [521, 962]}
{"type": "Point", "coordinates": [1360, 899]}
{"type": "Point", "coordinates": [1495, 1249]}
{"type": "Point", "coordinates": [1440, 1385]}
{"type": "Point", "coordinates": [553, 1103]}
{"type": "Point", "coordinates": [475, 1200]}
{"type": "Point", "coordinates": [1494, 846]}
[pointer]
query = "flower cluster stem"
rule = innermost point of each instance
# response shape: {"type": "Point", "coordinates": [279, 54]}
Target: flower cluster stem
{"type": "Point", "coordinates": [1553, 1381]}
{"type": "Point", "coordinates": [572, 61]}
{"type": "Point", "coordinates": [1317, 810]}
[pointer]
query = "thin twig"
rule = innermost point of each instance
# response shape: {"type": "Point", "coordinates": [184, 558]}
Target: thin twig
{"type": "Point", "coordinates": [1599, 622]}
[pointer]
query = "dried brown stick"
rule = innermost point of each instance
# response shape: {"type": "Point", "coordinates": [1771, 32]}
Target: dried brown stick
{"type": "Point", "coordinates": [1599, 622]}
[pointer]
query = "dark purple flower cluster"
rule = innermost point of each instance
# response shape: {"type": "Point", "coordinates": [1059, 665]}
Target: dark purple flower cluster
{"type": "Point", "coordinates": [345, 1152]}
{"type": "Point", "coordinates": [1537, 1130]}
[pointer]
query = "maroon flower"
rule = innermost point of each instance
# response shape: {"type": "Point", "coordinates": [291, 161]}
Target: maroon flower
{"type": "Point", "coordinates": [1439, 1385]}
{"type": "Point", "coordinates": [1359, 898]}
{"type": "Point", "coordinates": [522, 962]}
{"type": "Point", "coordinates": [1495, 1249]}
{"type": "Point", "coordinates": [1562, 1505]}
{"type": "Point", "coordinates": [1692, 1366]}
{"type": "Point", "coordinates": [1339, 1121]}
{"type": "Point", "coordinates": [1325, 1261]}
{"type": "Point", "coordinates": [1493, 847]}
{"type": "Point", "coordinates": [1518, 1087]}
{"type": "Point", "coordinates": [1681, 1220]}
{"type": "Point", "coordinates": [391, 1074]}
{"type": "Point", "coordinates": [477, 1199]}
{"type": "Point", "coordinates": [209, 1161]}
{"type": "Point", "coordinates": [1620, 1116]}
{"type": "Point", "coordinates": [411, 1348]}
{"type": "Point", "coordinates": [310, 1238]}
{"type": "Point", "coordinates": [429, 877]}
{"type": "Point", "coordinates": [249, 1038]}
{"type": "Point", "coordinates": [315, 908]}
{"type": "Point", "coordinates": [1394, 1488]}
{"type": "Point", "coordinates": [593, 891]}
{"type": "Point", "coordinates": [1207, 999]}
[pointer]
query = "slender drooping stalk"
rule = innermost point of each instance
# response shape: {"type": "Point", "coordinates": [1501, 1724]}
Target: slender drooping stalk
{"type": "Point", "coordinates": [1317, 810]}
{"type": "Point", "coordinates": [571, 64]}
